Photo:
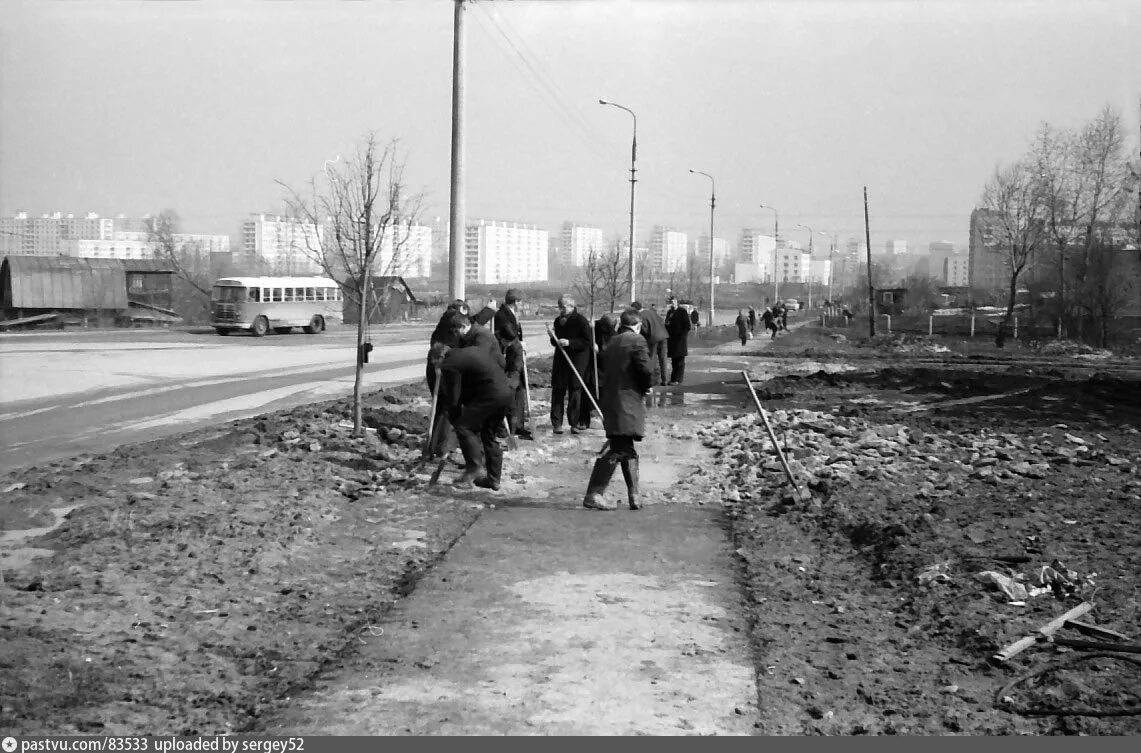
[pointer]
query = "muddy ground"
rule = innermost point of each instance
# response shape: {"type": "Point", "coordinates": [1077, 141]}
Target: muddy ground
{"type": "Point", "coordinates": [195, 583]}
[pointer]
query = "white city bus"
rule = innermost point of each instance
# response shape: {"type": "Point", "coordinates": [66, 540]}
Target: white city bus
{"type": "Point", "coordinates": [258, 304]}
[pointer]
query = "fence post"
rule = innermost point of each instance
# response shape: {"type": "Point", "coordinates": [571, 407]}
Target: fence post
{"type": "Point", "coordinates": [972, 325]}
{"type": "Point", "coordinates": [930, 325]}
{"type": "Point", "coordinates": [888, 317]}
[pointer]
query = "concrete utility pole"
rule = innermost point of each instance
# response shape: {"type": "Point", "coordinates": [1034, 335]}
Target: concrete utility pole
{"type": "Point", "coordinates": [457, 219]}
{"type": "Point", "coordinates": [871, 289]}
{"type": "Point", "coordinates": [712, 203]}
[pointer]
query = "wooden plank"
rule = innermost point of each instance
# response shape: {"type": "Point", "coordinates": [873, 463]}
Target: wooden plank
{"type": "Point", "coordinates": [1097, 631]}
{"type": "Point", "coordinates": [962, 401]}
{"type": "Point", "coordinates": [1041, 633]}
{"type": "Point", "coordinates": [1127, 648]}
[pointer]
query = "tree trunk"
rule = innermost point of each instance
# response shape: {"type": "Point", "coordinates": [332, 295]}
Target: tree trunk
{"type": "Point", "coordinates": [362, 320]}
{"type": "Point", "coordinates": [1000, 338]}
{"type": "Point", "coordinates": [1061, 292]}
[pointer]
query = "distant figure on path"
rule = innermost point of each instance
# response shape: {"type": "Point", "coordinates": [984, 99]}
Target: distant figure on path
{"type": "Point", "coordinates": [743, 327]}
{"type": "Point", "coordinates": [677, 341]}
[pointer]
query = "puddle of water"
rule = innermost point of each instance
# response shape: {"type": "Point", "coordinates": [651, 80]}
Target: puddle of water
{"type": "Point", "coordinates": [15, 557]}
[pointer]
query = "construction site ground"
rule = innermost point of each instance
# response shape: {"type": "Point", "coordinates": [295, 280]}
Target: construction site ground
{"type": "Point", "coordinates": [277, 575]}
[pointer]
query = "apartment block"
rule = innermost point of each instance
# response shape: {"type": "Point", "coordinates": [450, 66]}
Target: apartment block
{"type": "Point", "coordinates": [285, 245]}
{"type": "Point", "coordinates": [668, 250]}
{"type": "Point", "coordinates": [505, 252]}
{"type": "Point", "coordinates": [577, 242]}
{"type": "Point", "coordinates": [701, 251]}
{"type": "Point", "coordinates": [792, 263]}
{"type": "Point", "coordinates": [895, 247]}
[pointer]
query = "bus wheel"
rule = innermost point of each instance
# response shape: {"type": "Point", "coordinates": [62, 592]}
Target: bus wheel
{"type": "Point", "coordinates": [222, 330]}
{"type": "Point", "coordinates": [261, 326]}
{"type": "Point", "coordinates": [316, 326]}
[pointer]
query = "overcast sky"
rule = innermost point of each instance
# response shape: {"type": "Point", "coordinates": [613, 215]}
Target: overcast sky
{"type": "Point", "coordinates": [119, 106]}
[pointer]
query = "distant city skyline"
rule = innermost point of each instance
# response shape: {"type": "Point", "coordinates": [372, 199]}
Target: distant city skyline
{"type": "Point", "coordinates": [119, 106]}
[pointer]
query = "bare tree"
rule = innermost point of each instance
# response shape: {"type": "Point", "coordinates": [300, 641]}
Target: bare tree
{"type": "Point", "coordinates": [1013, 197]}
{"type": "Point", "coordinates": [615, 277]}
{"type": "Point", "coordinates": [362, 223]}
{"type": "Point", "coordinates": [1106, 289]}
{"type": "Point", "coordinates": [589, 282]}
{"type": "Point", "coordinates": [193, 279]}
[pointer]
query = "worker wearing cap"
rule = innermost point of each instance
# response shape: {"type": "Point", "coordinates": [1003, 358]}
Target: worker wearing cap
{"type": "Point", "coordinates": [626, 376]}
{"type": "Point", "coordinates": [509, 334]}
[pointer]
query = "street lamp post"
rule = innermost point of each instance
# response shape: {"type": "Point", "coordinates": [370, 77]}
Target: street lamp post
{"type": "Point", "coordinates": [776, 244]}
{"type": "Point", "coordinates": [633, 161]}
{"type": "Point", "coordinates": [811, 248]}
{"type": "Point", "coordinates": [712, 203]}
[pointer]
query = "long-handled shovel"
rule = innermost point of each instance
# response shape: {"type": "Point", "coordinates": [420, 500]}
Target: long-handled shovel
{"type": "Point", "coordinates": [574, 371]}
{"type": "Point", "coordinates": [772, 436]}
{"type": "Point", "coordinates": [427, 454]}
{"type": "Point", "coordinates": [528, 423]}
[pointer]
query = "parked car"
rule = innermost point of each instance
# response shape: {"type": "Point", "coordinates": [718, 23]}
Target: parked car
{"type": "Point", "coordinates": [792, 304]}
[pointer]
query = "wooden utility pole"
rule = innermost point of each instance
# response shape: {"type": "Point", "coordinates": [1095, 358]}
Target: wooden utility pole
{"type": "Point", "coordinates": [457, 219]}
{"type": "Point", "coordinates": [871, 288]}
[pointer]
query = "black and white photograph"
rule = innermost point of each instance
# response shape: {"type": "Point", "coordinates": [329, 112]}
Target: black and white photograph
{"type": "Point", "coordinates": [462, 368]}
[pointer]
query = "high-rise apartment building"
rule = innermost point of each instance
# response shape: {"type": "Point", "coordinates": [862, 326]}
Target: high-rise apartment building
{"type": "Point", "coordinates": [792, 263]}
{"type": "Point", "coordinates": [50, 234]}
{"type": "Point", "coordinates": [701, 252]}
{"type": "Point", "coordinates": [412, 259]}
{"type": "Point", "coordinates": [504, 252]}
{"type": "Point", "coordinates": [895, 247]}
{"type": "Point", "coordinates": [668, 250]}
{"type": "Point", "coordinates": [756, 248]}
{"type": "Point", "coordinates": [284, 245]}
{"type": "Point", "coordinates": [577, 242]}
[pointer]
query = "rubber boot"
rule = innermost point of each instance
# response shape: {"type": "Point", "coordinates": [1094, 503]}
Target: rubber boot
{"type": "Point", "coordinates": [599, 480]}
{"type": "Point", "coordinates": [493, 456]}
{"type": "Point", "coordinates": [630, 473]}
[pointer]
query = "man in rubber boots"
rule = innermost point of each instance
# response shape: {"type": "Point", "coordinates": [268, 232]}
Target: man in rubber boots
{"type": "Point", "coordinates": [572, 332]}
{"type": "Point", "coordinates": [475, 395]}
{"type": "Point", "coordinates": [626, 376]}
{"type": "Point", "coordinates": [509, 333]}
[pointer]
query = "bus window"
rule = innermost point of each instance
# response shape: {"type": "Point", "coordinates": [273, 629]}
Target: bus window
{"type": "Point", "coordinates": [288, 295]}
{"type": "Point", "coordinates": [255, 295]}
{"type": "Point", "coordinates": [310, 294]}
{"type": "Point", "coordinates": [277, 295]}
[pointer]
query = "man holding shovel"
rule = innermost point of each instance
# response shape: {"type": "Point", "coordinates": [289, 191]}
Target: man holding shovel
{"type": "Point", "coordinates": [626, 376]}
{"type": "Point", "coordinates": [572, 334]}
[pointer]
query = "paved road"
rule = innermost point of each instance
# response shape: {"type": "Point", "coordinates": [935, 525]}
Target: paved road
{"type": "Point", "coordinates": [67, 393]}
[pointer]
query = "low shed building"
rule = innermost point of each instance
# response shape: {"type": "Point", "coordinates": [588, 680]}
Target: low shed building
{"type": "Point", "coordinates": [390, 300]}
{"type": "Point", "coordinates": [71, 289]}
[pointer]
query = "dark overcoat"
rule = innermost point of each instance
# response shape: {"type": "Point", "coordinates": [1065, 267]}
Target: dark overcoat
{"type": "Point", "coordinates": [575, 328]}
{"type": "Point", "coordinates": [626, 375]}
{"type": "Point", "coordinates": [742, 326]}
{"type": "Point", "coordinates": [506, 326]}
{"type": "Point", "coordinates": [653, 327]}
{"type": "Point", "coordinates": [677, 332]}
{"type": "Point", "coordinates": [480, 337]}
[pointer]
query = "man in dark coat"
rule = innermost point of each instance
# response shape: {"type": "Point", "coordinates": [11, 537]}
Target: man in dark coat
{"type": "Point", "coordinates": [752, 319]}
{"type": "Point", "coordinates": [626, 378]}
{"type": "Point", "coordinates": [444, 333]}
{"type": "Point", "coordinates": [654, 330]}
{"type": "Point", "coordinates": [572, 332]}
{"type": "Point", "coordinates": [695, 318]}
{"type": "Point", "coordinates": [509, 333]}
{"type": "Point", "coordinates": [742, 327]}
{"type": "Point", "coordinates": [475, 395]}
{"type": "Point", "coordinates": [677, 340]}
{"type": "Point", "coordinates": [604, 329]}
{"type": "Point", "coordinates": [769, 320]}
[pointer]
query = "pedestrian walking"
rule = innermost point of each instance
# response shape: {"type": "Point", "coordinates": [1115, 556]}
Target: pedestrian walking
{"type": "Point", "coordinates": [627, 376]}
{"type": "Point", "coordinates": [784, 317]}
{"type": "Point", "coordinates": [694, 317]}
{"type": "Point", "coordinates": [768, 318]}
{"type": "Point", "coordinates": [572, 332]}
{"type": "Point", "coordinates": [743, 327]}
{"type": "Point", "coordinates": [654, 330]}
{"type": "Point", "coordinates": [678, 325]}
{"type": "Point", "coordinates": [752, 320]}
{"type": "Point", "coordinates": [475, 396]}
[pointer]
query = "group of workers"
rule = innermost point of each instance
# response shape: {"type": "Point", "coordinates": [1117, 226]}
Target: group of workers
{"type": "Point", "coordinates": [478, 377]}
{"type": "Point", "coordinates": [774, 318]}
